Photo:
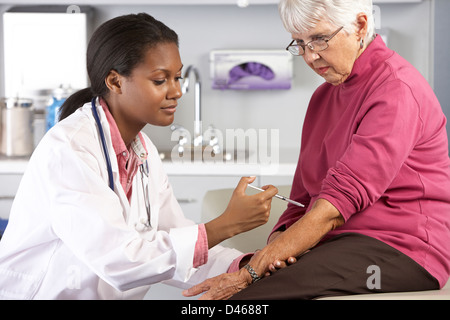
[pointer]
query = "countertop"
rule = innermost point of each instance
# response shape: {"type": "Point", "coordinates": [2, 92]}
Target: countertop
{"type": "Point", "coordinates": [285, 167]}
{"type": "Point", "coordinates": [13, 165]}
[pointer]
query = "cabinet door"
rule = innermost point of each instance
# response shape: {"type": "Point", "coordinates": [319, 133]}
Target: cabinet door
{"type": "Point", "coordinates": [8, 188]}
{"type": "Point", "coordinates": [190, 190]}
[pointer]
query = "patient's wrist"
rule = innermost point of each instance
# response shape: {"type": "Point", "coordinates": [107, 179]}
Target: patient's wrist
{"type": "Point", "coordinates": [254, 276]}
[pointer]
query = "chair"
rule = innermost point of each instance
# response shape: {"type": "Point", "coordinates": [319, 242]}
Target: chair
{"type": "Point", "coordinates": [216, 201]}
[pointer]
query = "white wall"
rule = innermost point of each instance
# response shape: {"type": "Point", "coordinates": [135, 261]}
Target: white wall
{"type": "Point", "coordinates": [204, 28]}
{"type": "Point", "coordinates": [442, 49]}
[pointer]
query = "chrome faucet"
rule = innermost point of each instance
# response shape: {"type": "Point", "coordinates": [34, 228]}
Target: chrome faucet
{"type": "Point", "coordinates": [179, 133]}
{"type": "Point", "coordinates": [183, 137]}
{"type": "Point", "coordinates": [198, 137]}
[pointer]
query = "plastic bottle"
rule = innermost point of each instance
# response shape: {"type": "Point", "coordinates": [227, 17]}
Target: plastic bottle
{"type": "Point", "coordinates": [59, 96]}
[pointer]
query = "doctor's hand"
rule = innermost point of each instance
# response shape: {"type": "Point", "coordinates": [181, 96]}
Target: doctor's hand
{"type": "Point", "coordinates": [221, 287]}
{"type": "Point", "coordinates": [243, 213]}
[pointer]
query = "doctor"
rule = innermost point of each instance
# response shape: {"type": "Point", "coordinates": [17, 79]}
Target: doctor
{"type": "Point", "coordinates": [95, 216]}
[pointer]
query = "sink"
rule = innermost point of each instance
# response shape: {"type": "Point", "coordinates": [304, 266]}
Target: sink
{"type": "Point", "coordinates": [204, 154]}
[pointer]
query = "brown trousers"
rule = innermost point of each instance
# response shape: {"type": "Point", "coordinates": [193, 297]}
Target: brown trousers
{"type": "Point", "coordinates": [347, 264]}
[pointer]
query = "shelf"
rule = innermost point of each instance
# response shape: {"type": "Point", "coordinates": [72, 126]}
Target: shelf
{"type": "Point", "coordinates": [163, 2]}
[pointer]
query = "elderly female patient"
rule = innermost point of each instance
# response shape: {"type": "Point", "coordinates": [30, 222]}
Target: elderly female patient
{"type": "Point", "coordinates": [373, 171]}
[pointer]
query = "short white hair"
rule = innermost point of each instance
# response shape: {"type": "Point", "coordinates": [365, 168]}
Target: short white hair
{"type": "Point", "coordinates": [300, 16]}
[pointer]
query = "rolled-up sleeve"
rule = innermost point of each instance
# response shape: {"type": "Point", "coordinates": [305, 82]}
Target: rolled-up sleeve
{"type": "Point", "coordinates": [387, 132]}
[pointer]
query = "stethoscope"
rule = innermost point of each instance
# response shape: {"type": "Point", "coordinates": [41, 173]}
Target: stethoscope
{"type": "Point", "coordinates": [143, 167]}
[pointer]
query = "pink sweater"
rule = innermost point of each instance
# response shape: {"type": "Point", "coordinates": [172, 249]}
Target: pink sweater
{"type": "Point", "coordinates": [376, 148]}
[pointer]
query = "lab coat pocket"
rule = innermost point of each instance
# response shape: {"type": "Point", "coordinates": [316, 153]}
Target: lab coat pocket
{"type": "Point", "coordinates": [24, 285]}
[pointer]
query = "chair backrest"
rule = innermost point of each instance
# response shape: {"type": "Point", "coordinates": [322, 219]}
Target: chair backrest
{"type": "Point", "coordinates": [216, 201]}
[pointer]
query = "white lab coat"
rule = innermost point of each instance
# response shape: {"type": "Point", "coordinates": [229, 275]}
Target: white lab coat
{"type": "Point", "coordinates": [71, 237]}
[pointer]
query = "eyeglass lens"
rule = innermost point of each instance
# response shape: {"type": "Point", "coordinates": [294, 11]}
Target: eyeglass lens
{"type": "Point", "coordinates": [314, 45]}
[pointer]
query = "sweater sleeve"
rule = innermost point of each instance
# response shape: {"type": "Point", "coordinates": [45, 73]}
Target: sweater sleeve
{"type": "Point", "coordinates": [389, 127]}
{"type": "Point", "coordinates": [293, 212]}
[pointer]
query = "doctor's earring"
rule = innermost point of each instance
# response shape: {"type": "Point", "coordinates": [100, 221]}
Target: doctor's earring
{"type": "Point", "coordinates": [361, 43]}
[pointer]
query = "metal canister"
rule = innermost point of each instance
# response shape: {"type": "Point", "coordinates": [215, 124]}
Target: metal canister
{"type": "Point", "coordinates": [17, 116]}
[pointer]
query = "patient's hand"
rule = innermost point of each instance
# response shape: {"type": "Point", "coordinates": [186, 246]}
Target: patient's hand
{"type": "Point", "coordinates": [278, 264]}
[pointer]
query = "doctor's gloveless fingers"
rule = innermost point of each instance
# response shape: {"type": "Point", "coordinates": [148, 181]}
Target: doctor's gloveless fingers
{"type": "Point", "coordinates": [242, 185]}
{"type": "Point", "coordinates": [246, 212]}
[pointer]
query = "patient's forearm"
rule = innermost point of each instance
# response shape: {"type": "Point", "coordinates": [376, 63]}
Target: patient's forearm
{"type": "Point", "coordinates": [301, 236]}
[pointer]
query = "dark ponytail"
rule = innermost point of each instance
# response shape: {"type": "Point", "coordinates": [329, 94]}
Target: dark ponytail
{"type": "Point", "coordinates": [119, 44]}
{"type": "Point", "coordinates": [75, 101]}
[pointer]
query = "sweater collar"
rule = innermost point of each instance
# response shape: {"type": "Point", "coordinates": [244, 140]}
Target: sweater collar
{"type": "Point", "coordinates": [375, 52]}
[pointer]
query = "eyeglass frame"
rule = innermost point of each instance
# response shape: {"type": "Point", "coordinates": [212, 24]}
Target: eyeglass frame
{"type": "Point", "coordinates": [307, 44]}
